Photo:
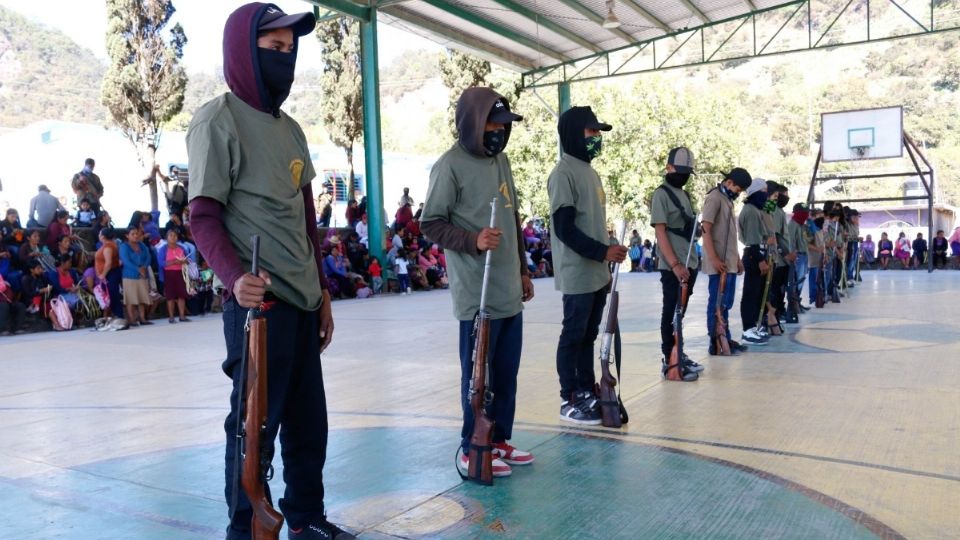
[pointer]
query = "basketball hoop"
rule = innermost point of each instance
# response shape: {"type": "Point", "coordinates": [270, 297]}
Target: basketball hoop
{"type": "Point", "coordinates": [859, 151]}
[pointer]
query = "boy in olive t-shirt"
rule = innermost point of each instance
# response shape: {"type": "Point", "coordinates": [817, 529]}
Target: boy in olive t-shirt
{"type": "Point", "coordinates": [456, 215]}
{"type": "Point", "coordinates": [673, 218]}
{"type": "Point", "coordinates": [581, 251]}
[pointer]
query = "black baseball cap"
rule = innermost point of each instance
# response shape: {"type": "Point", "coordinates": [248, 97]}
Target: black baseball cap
{"type": "Point", "coordinates": [501, 114]}
{"type": "Point", "coordinates": [273, 18]}
{"type": "Point", "coordinates": [593, 123]}
{"type": "Point", "coordinates": [741, 177]}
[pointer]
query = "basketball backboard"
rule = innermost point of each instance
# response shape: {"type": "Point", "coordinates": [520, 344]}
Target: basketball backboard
{"type": "Point", "coordinates": [862, 134]}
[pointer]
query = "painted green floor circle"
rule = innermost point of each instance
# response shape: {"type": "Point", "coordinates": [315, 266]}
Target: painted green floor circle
{"type": "Point", "coordinates": [401, 482]}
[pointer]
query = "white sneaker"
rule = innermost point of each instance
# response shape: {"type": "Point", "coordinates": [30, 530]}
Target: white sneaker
{"type": "Point", "coordinates": [753, 337]}
{"type": "Point", "coordinates": [410, 290]}
{"type": "Point", "coordinates": [500, 469]}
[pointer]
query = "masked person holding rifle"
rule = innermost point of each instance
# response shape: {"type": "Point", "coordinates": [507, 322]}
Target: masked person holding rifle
{"type": "Point", "coordinates": [581, 251]}
{"type": "Point", "coordinates": [456, 215]}
{"type": "Point", "coordinates": [753, 236]}
{"type": "Point", "coordinates": [722, 256]}
{"type": "Point", "coordinates": [250, 174]}
{"type": "Point", "coordinates": [673, 219]}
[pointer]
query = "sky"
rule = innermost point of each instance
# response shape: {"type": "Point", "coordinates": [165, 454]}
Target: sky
{"type": "Point", "coordinates": [84, 21]}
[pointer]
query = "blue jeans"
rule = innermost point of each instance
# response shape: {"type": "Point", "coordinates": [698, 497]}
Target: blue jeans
{"type": "Point", "coordinates": [814, 285]}
{"type": "Point", "coordinates": [852, 253]}
{"type": "Point", "coordinates": [800, 273]}
{"type": "Point", "coordinates": [506, 340]}
{"type": "Point", "coordinates": [729, 291]}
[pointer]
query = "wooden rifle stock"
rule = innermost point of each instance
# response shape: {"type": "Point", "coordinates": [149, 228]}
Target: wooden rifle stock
{"type": "Point", "coordinates": [720, 342]}
{"type": "Point", "coordinates": [765, 306]}
{"type": "Point", "coordinates": [674, 363]}
{"type": "Point", "coordinates": [267, 521]}
{"type": "Point", "coordinates": [821, 281]}
{"type": "Point", "coordinates": [481, 450]}
{"type": "Point", "coordinates": [609, 400]}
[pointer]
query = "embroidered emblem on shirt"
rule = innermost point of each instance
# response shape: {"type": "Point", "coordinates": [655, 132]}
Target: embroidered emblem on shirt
{"type": "Point", "coordinates": [505, 191]}
{"type": "Point", "coordinates": [296, 172]}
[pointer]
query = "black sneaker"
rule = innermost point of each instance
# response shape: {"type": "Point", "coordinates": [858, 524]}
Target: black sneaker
{"type": "Point", "coordinates": [737, 346]}
{"type": "Point", "coordinates": [579, 411]}
{"type": "Point", "coordinates": [689, 364]}
{"type": "Point", "coordinates": [685, 374]}
{"type": "Point", "coordinates": [322, 530]}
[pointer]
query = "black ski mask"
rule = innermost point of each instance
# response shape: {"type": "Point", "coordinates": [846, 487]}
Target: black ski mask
{"type": "Point", "coordinates": [758, 199]}
{"type": "Point", "coordinates": [494, 141]}
{"type": "Point", "coordinates": [677, 180]}
{"type": "Point", "coordinates": [277, 72]}
{"type": "Point", "coordinates": [819, 222]}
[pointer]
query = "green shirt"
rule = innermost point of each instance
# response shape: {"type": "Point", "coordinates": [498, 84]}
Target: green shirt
{"type": "Point", "coordinates": [780, 229]}
{"type": "Point", "coordinates": [255, 166]}
{"type": "Point", "coordinates": [461, 188]}
{"type": "Point", "coordinates": [796, 237]}
{"type": "Point", "coordinates": [663, 210]}
{"type": "Point", "coordinates": [753, 231]}
{"type": "Point", "coordinates": [573, 182]}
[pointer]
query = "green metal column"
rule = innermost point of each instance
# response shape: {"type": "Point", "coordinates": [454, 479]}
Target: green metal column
{"type": "Point", "coordinates": [369, 71]}
{"type": "Point", "coordinates": [564, 90]}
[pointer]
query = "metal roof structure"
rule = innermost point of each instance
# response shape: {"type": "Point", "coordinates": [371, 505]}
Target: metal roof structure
{"type": "Point", "coordinates": [558, 41]}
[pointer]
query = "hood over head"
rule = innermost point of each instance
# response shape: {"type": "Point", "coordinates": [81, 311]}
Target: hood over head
{"type": "Point", "coordinates": [241, 60]}
{"type": "Point", "coordinates": [571, 125]}
{"type": "Point", "coordinates": [474, 107]}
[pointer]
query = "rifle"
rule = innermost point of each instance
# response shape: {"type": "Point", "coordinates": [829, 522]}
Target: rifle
{"type": "Point", "coordinates": [480, 467]}
{"type": "Point", "coordinates": [821, 281]}
{"type": "Point", "coordinates": [766, 308]}
{"type": "Point", "coordinates": [721, 344]}
{"type": "Point", "coordinates": [835, 279]}
{"type": "Point", "coordinates": [674, 371]}
{"type": "Point", "coordinates": [254, 458]}
{"type": "Point", "coordinates": [610, 405]}
{"type": "Point", "coordinates": [793, 302]}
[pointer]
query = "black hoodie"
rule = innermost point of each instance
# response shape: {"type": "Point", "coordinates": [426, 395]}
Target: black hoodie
{"type": "Point", "coordinates": [473, 109]}
{"type": "Point", "coordinates": [571, 126]}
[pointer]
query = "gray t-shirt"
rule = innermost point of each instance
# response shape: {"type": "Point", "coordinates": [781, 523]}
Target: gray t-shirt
{"type": "Point", "coordinates": [574, 183]}
{"type": "Point", "coordinates": [718, 211]}
{"type": "Point", "coordinates": [795, 234]}
{"type": "Point", "coordinates": [753, 230]}
{"type": "Point", "coordinates": [461, 188]}
{"type": "Point", "coordinates": [45, 206]}
{"type": "Point", "coordinates": [255, 165]}
{"type": "Point", "coordinates": [663, 210]}
{"type": "Point", "coordinates": [780, 230]}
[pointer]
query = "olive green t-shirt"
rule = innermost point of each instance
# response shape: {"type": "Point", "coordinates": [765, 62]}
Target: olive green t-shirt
{"type": "Point", "coordinates": [795, 235]}
{"type": "Point", "coordinates": [718, 211]}
{"type": "Point", "coordinates": [461, 188]}
{"type": "Point", "coordinates": [255, 165]}
{"type": "Point", "coordinates": [663, 210]}
{"type": "Point", "coordinates": [753, 230]}
{"type": "Point", "coordinates": [573, 182]}
{"type": "Point", "coordinates": [780, 230]}
{"type": "Point", "coordinates": [816, 240]}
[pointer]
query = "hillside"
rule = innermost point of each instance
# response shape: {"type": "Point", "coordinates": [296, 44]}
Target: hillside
{"type": "Point", "coordinates": [45, 75]}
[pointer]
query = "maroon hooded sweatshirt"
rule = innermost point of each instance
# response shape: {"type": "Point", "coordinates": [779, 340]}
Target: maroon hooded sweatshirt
{"type": "Point", "coordinates": [241, 70]}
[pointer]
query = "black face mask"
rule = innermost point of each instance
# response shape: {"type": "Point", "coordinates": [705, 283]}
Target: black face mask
{"type": "Point", "coordinates": [758, 199]}
{"type": "Point", "coordinates": [677, 180]}
{"type": "Point", "coordinates": [494, 141]}
{"type": "Point", "coordinates": [728, 192]}
{"type": "Point", "coordinates": [277, 71]}
{"type": "Point", "coordinates": [819, 222]}
{"type": "Point", "coordinates": [783, 200]}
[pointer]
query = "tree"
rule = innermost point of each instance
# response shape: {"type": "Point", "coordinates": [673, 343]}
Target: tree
{"type": "Point", "coordinates": [460, 71]}
{"type": "Point", "coordinates": [342, 102]}
{"type": "Point", "coordinates": [145, 82]}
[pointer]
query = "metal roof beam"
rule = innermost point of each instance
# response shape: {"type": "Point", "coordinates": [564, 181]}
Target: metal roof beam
{"type": "Point", "coordinates": [545, 22]}
{"type": "Point", "coordinates": [344, 7]}
{"type": "Point", "coordinates": [593, 17]}
{"type": "Point", "coordinates": [480, 47]}
{"type": "Point", "coordinates": [696, 11]}
{"type": "Point", "coordinates": [487, 24]}
{"type": "Point", "coordinates": [751, 5]}
{"type": "Point", "coordinates": [647, 15]}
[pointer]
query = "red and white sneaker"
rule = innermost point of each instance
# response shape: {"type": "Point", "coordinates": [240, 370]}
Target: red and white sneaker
{"type": "Point", "coordinates": [511, 455]}
{"type": "Point", "coordinates": [500, 469]}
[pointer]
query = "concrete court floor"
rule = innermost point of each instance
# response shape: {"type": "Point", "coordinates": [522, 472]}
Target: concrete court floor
{"type": "Point", "coordinates": [847, 427]}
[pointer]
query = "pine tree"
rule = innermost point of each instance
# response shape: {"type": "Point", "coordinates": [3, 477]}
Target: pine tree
{"type": "Point", "coordinates": [144, 85]}
{"type": "Point", "coordinates": [342, 92]}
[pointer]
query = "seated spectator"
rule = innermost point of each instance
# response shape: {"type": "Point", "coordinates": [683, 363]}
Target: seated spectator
{"type": "Point", "coordinates": [106, 264]}
{"type": "Point", "coordinates": [363, 231]}
{"type": "Point", "coordinates": [418, 276]}
{"type": "Point", "coordinates": [352, 214]}
{"type": "Point", "coordinates": [32, 250]}
{"type": "Point", "coordinates": [149, 223]}
{"type": "Point", "coordinates": [427, 262]}
{"type": "Point", "coordinates": [176, 223]}
{"type": "Point", "coordinates": [884, 250]}
{"type": "Point", "coordinates": [65, 248]}
{"type": "Point", "coordinates": [919, 250]}
{"type": "Point", "coordinates": [57, 228]}
{"type": "Point", "coordinates": [43, 208]}
{"type": "Point", "coordinates": [65, 281]}
{"type": "Point", "coordinates": [413, 229]}
{"type": "Point", "coordinates": [403, 216]}
{"type": "Point", "coordinates": [530, 234]}
{"type": "Point", "coordinates": [8, 266]}
{"type": "Point", "coordinates": [135, 260]}
{"type": "Point", "coordinates": [868, 250]}
{"type": "Point", "coordinates": [901, 250]}
{"type": "Point", "coordinates": [361, 288]}
{"type": "Point", "coordinates": [103, 221]}
{"type": "Point", "coordinates": [939, 250]}
{"type": "Point", "coordinates": [85, 215]}
{"type": "Point", "coordinates": [173, 255]}
{"type": "Point", "coordinates": [376, 274]}
{"type": "Point", "coordinates": [335, 267]}
{"type": "Point", "coordinates": [954, 242]}
{"type": "Point", "coordinates": [12, 313]}
{"type": "Point", "coordinates": [35, 288]}
{"type": "Point", "coordinates": [11, 233]}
